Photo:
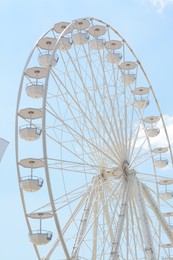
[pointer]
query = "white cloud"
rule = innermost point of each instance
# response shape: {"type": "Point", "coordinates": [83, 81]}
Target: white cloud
{"type": "Point", "coordinates": [160, 4]}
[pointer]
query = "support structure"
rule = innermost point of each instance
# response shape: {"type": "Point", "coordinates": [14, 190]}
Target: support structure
{"type": "Point", "coordinates": [119, 230]}
{"type": "Point", "coordinates": [158, 213]}
{"type": "Point", "coordinates": [148, 240]}
{"type": "Point", "coordinates": [83, 223]}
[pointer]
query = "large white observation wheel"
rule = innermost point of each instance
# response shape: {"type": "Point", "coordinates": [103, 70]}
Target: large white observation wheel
{"type": "Point", "coordinates": [93, 155]}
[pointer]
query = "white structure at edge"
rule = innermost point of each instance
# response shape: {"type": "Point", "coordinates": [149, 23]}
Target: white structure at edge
{"type": "Point", "coordinates": [3, 147]}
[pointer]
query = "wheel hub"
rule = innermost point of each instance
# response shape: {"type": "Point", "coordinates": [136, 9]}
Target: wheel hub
{"type": "Point", "coordinates": [126, 170]}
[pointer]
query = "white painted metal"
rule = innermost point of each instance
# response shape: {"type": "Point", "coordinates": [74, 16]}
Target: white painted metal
{"type": "Point", "coordinates": [97, 30]}
{"type": "Point", "coordinates": [17, 151]}
{"type": "Point", "coordinates": [128, 65]}
{"type": "Point", "coordinates": [62, 27]}
{"type": "Point", "coordinates": [167, 245]}
{"type": "Point", "coordinates": [148, 240]}
{"type": "Point", "coordinates": [30, 133]}
{"type": "Point", "coordinates": [66, 226]}
{"type": "Point", "coordinates": [128, 79]}
{"type": "Point", "coordinates": [40, 238]}
{"type": "Point", "coordinates": [168, 214]}
{"type": "Point", "coordinates": [160, 150]}
{"type": "Point", "coordinates": [40, 215]}
{"type": "Point", "coordinates": [31, 183]}
{"type": "Point", "coordinates": [152, 132]}
{"type": "Point", "coordinates": [31, 113]}
{"type": "Point", "coordinates": [141, 103]}
{"type": "Point", "coordinates": [152, 119]}
{"type": "Point", "coordinates": [83, 222]}
{"type": "Point", "coordinates": [95, 227]}
{"type": "Point", "coordinates": [113, 58]}
{"type": "Point", "coordinates": [31, 163]}
{"type": "Point", "coordinates": [157, 211]}
{"type": "Point", "coordinates": [64, 43]}
{"type": "Point", "coordinates": [167, 195]}
{"type": "Point", "coordinates": [35, 90]}
{"type": "Point", "coordinates": [141, 91]}
{"type": "Point", "coordinates": [81, 24]}
{"type": "Point", "coordinates": [91, 127]}
{"type": "Point", "coordinates": [80, 38]}
{"type": "Point", "coordinates": [97, 44]}
{"type": "Point", "coordinates": [121, 219]}
{"type": "Point", "coordinates": [45, 58]}
{"type": "Point", "coordinates": [47, 43]}
{"type": "Point", "coordinates": [113, 45]}
{"type": "Point", "coordinates": [166, 182]}
{"type": "Point", "coordinates": [36, 72]}
{"type": "Point", "coordinates": [160, 163]}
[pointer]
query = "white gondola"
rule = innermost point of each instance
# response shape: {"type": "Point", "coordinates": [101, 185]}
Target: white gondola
{"type": "Point", "coordinates": [152, 132]}
{"type": "Point", "coordinates": [128, 79]}
{"type": "Point", "coordinates": [160, 163]}
{"type": "Point", "coordinates": [42, 237]}
{"type": "Point", "coordinates": [97, 44]}
{"type": "Point", "coordinates": [35, 90]}
{"type": "Point", "coordinates": [166, 195]}
{"type": "Point", "coordinates": [97, 30]}
{"type": "Point", "coordinates": [47, 43]}
{"type": "Point", "coordinates": [36, 72]}
{"type": "Point", "coordinates": [152, 119]}
{"type": "Point", "coordinates": [141, 103]}
{"type": "Point", "coordinates": [128, 65]}
{"type": "Point", "coordinates": [31, 183]}
{"type": "Point", "coordinates": [113, 58]}
{"type": "Point", "coordinates": [166, 182]}
{"type": "Point", "coordinates": [31, 163]}
{"type": "Point", "coordinates": [170, 245]}
{"type": "Point", "coordinates": [168, 214]}
{"type": "Point", "coordinates": [141, 91]}
{"type": "Point", "coordinates": [159, 150]}
{"type": "Point", "coordinates": [40, 215]}
{"type": "Point", "coordinates": [45, 59]}
{"type": "Point", "coordinates": [81, 24]}
{"type": "Point", "coordinates": [31, 113]}
{"type": "Point", "coordinates": [30, 132]}
{"type": "Point", "coordinates": [113, 45]}
{"type": "Point", "coordinates": [64, 44]}
{"type": "Point", "coordinates": [80, 38]}
{"type": "Point", "coordinates": [60, 27]}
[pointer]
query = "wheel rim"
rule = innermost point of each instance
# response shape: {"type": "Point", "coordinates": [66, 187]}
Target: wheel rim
{"type": "Point", "coordinates": [100, 134]}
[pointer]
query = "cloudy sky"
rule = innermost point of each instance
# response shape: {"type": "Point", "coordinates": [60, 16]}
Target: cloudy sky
{"type": "Point", "coordinates": [147, 27]}
{"type": "Point", "coordinates": [160, 4]}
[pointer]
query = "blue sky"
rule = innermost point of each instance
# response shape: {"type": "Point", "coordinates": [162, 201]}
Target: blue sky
{"type": "Point", "coordinates": [147, 27]}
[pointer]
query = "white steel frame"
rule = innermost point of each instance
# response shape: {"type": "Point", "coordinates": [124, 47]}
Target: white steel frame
{"type": "Point", "coordinates": [115, 212]}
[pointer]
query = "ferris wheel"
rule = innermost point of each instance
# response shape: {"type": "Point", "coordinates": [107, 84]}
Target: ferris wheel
{"type": "Point", "coordinates": [93, 155]}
